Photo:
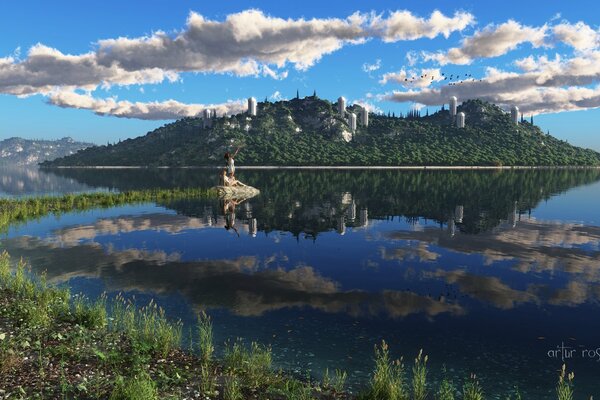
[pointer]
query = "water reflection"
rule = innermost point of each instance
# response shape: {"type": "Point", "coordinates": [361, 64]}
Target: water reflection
{"type": "Point", "coordinates": [31, 181]}
{"type": "Point", "coordinates": [465, 264]}
{"type": "Point", "coordinates": [244, 285]}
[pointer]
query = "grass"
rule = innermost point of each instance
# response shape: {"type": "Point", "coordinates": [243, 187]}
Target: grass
{"type": "Point", "coordinates": [57, 345]}
{"type": "Point", "coordinates": [419, 379]}
{"type": "Point", "coordinates": [24, 209]}
{"type": "Point", "coordinates": [139, 387]}
{"type": "Point", "coordinates": [205, 337]}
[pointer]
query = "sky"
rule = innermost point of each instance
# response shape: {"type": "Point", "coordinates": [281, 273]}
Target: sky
{"type": "Point", "coordinates": [111, 70]}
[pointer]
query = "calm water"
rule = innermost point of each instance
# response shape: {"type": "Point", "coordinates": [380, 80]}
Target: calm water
{"type": "Point", "coordinates": [487, 271]}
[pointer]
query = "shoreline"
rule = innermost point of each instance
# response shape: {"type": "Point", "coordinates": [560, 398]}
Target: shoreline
{"type": "Point", "coordinates": [336, 167]}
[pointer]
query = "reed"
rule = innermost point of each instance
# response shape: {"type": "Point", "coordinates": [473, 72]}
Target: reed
{"type": "Point", "coordinates": [564, 388]}
{"type": "Point", "coordinates": [419, 378]}
{"type": "Point", "coordinates": [205, 337]}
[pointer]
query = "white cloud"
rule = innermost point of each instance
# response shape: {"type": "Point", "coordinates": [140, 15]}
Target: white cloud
{"type": "Point", "coordinates": [546, 86]}
{"type": "Point", "coordinates": [368, 105]}
{"type": "Point", "coordinates": [403, 25]}
{"type": "Point", "coordinates": [276, 96]}
{"type": "Point", "coordinates": [164, 110]}
{"type": "Point", "coordinates": [248, 43]}
{"type": "Point", "coordinates": [413, 79]}
{"type": "Point", "coordinates": [492, 41]}
{"type": "Point", "coordinates": [368, 68]}
{"type": "Point", "coordinates": [579, 36]}
{"type": "Point", "coordinates": [46, 68]}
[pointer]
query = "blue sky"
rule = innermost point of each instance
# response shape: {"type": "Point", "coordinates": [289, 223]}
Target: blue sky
{"type": "Point", "coordinates": [75, 28]}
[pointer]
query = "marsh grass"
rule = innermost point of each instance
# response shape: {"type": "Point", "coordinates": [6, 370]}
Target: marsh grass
{"type": "Point", "coordinates": [419, 377]}
{"type": "Point", "coordinates": [253, 364]}
{"type": "Point", "coordinates": [388, 381]}
{"type": "Point", "coordinates": [232, 389]}
{"type": "Point", "coordinates": [208, 380]}
{"type": "Point", "coordinates": [90, 314]}
{"type": "Point", "coordinates": [472, 390]}
{"type": "Point", "coordinates": [138, 387]}
{"type": "Point", "coordinates": [205, 337]}
{"type": "Point", "coordinates": [446, 389]}
{"type": "Point", "coordinates": [564, 388]}
{"type": "Point", "coordinates": [23, 209]}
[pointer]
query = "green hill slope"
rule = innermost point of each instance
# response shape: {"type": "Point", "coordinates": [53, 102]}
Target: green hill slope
{"type": "Point", "coordinates": [310, 132]}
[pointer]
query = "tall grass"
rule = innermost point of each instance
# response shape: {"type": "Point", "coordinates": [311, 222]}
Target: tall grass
{"type": "Point", "coordinates": [24, 209]}
{"type": "Point", "coordinates": [254, 364]}
{"type": "Point", "coordinates": [138, 387]}
{"type": "Point", "coordinates": [205, 337]}
{"type": "Point", "coordinates": [148, 325]}
{"type": "Point", "coordinates": [564, 388]}
{"type": "Point", "coordinates": [472, 390]}
{"type": "Point", "coordinates": [388, 381]}
{"type": "Point", "coordinates": [419, 378]}
{"type": "Point", "coordinates": [446, 389]}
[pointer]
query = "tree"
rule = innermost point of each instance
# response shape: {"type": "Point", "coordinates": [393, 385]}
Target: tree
{"type": "Point", "coordinates": [531, 119]}
{"type": "Point", "coordinates": [297, 94]}
{"type": "Point", "coordinates": [315, 94]}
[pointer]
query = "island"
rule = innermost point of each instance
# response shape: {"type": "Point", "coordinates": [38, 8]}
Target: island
{"type": "Point", "coordinates": [311, 131]}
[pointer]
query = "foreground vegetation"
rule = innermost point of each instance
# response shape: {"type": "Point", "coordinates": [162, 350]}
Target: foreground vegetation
{"type": "Point", "coordinates": [24, 209]}
{"type": "Point", "coordinates": [310, 131]}
{"type": "Point", "coordinates": [57, 345]}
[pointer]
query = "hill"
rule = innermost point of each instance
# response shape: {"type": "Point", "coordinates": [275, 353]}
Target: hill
{"type": "Point", "coordinates": [17, 151]}
{"type": "Point", "coordinates": [309, 131]}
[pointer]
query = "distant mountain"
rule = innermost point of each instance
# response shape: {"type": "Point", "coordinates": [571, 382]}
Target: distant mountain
{"type": "Point", "coordinates": [310, 131]}
{"type": "Point", "coordinates": [17, 151]}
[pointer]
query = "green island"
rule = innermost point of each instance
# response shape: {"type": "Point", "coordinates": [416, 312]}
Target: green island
{"type": "Point", "coordinates": [55, 344]}
{"type": "Point", "coordinates": [310, 132]}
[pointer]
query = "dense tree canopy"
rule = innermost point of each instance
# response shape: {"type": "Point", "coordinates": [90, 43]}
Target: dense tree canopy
{"type": "Point", "coordinates": [309, 131]}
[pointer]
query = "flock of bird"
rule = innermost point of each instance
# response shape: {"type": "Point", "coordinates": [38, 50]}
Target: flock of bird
{"type": "Point", "coordinates": [457, 78]}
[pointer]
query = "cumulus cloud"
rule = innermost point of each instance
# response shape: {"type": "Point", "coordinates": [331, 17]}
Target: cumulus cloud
{"type": "Point", "coordinates": [413, 79]}
{"type": "Point", "coordinates": [492, 41]}
{"type": "Point", "coordinates": [403, 25]}
{"type": "Point", "coordinates": [46, 68]}
{"type": "Point", "coordinates": [545, 86]}
{"type": "Point", "coordinates": [248, 43]}
{"type": "Point", "coordinates": [169, 109]}
{"type": "Point", "coordinates": [580, 36]}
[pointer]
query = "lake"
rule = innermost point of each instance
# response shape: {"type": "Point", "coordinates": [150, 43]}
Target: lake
{"type": "Point", "coordinates": [489, 272]}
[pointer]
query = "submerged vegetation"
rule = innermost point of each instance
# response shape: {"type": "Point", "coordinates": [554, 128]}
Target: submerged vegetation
{"type": "Point", "coordinates": [24, 209]}
{"type": "Point", "coordinates": [57, 345]}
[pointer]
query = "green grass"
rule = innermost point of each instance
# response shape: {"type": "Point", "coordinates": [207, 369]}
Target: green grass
{"type": "Point", "coordinates": [139, 387]}
{"type": "Point", "coordinates": [564, 388]}
{"type": "Point", "coordinates": [205, 338]}
{"type": "Point", "coordinates": [24, 209]}
{"type": "Point", "coordinates": [472, 390]}
{"type": "Point", "coordinates": [388, 381]}
{"type": "Point", "coordinates": [419, 378]}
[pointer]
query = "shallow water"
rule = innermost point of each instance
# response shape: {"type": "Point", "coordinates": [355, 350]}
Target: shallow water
{"type": "Point", "coordinates": [487, 271]}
